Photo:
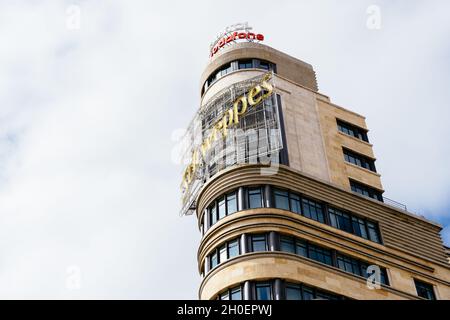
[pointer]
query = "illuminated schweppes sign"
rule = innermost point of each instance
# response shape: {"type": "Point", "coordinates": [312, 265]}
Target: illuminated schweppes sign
{"type": "Point", "coordinates": [230, 118]}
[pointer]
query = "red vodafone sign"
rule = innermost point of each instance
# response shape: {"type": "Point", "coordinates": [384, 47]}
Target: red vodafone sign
{"type": "Point", "coordinates": [232, 34]}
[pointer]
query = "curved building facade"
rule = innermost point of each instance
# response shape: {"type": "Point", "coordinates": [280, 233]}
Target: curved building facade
{"type": "Point", "coordinates": [311, 223]}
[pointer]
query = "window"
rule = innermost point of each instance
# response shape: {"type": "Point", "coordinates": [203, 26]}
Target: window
{"type": "Point", "coordinates": [255, 198]}
{"type": "Point", "coordinates": [221, 254]}
{"type": "Point", "coordinates": [348, 264]}
{"type": "Point", "coordinates": [259, 242]}
{"type": "Point", "coordinates": [213, 260]}
{"type": "Point", "coordinates": [359, 227]}
{"type": "Point", "coordinates": [222, 209]}
{"type": "Point", "coordinates": [366, 190]}
{"type": "Point", "coordinates": [359, 160]}
{"type": "Point", "coordinates": [263, 291]}
{"type": "Point", "coordinates": [236, 293]}
{"type": "Point", "coordinates": [295, 203]}
{"type": "Point", "coordinates": [359, 268]}
{"type": "Point", "coordinates": [373, 232]}
{"type": "Point", "coordinates": [287, 244]}
{"type": "Point", "coordinates": [239, 64]}
{"type": "Point", "coordinates": [231, 203]}
{"type": "Point", "coordinates": [287, 200]}
{"type": "Point", "coordinates": [340, 220]}
{"type": "Point", "coordinates": [424, 290]}
{"type": "Point", "coordinates": [313, 210]}
{"type": "Point", "coordinates": [281, 199]}
{"type": "Point", "coordinates": [212, 214]}
{"type": "Point", "coordinates": [233, 249]}
{"type": "Point", "coordinates": [319, 254]}
{"type": "Point", "coordinates": [245, 64]}
{"type": "Point", "coordinates": [231, 294]}
{"type": "Point", "coordinates": [293, 292]}
{"type": "Point", "coordinates": [352, 130]}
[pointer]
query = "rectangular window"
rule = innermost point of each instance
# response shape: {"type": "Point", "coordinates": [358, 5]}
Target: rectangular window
{"type": "Point", "coordinates": [236, 293]}
{"type": "Point", "coordinates": [224, 296]}
{"type": "Point", "coordinates": [255, 198]}
{"type": "Point", "coordinates": [245, 64]}
{"type": "Point", "coordinates": [366, 190]}
{"type": "Point", "coordinates": [231, 203]}
{"type": "Point", "coordinates": [223, 256]}
{"type": "Point", "coordinates": [301, 248]}
{"type": "Point", "coordinates": [313, 210]}
{"type": "Point", "coordinates": [287, 244]}
{"type": "Point", "coordinates": [233, 248]}
{"type": "Point", "coordinates": [295, 203]}
{"type": "Point", "coordinates": [352, 130]}
{"type": "Point", "coordinates": [259, 242]}
{"type": "Point", "coordinates": [340, 220]}
{"type": "Point", "coordinates": [319, 254]}
{"type": "Point", "coordinates": [359, 160]}
{"type": "Point", "coordinates": [374, 233]}
{"type": "Point", "coordinates": [281, 199]}
{"type": "Point", "coordinates": [263, 291]}
{"type": "Point", "coordinates": [424, 290]}
{"type": "Point", "coordinates": [222, 209]}
{"type": "Point", "coordinates": [293, 292]}
{"type": "Point", "coordinates": [359, 227]}
{"type": "Point", "coordinates": [212, 214]}
{"type": "Point", "coordinates": [213, 262]}
{"type": "Point", "coordinates": [348, 264]}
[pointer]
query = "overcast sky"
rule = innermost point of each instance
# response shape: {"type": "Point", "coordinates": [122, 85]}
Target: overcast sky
{"type": "Point", "coordinates": [89, 194]}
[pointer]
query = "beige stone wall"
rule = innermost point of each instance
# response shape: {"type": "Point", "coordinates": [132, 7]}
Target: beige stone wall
{"type": "Point", "coordinates": [334, 140]}
{"type": "Point", "coordinates": [412, 246]}
{"type": "Point", "coordinates": [402, 268]}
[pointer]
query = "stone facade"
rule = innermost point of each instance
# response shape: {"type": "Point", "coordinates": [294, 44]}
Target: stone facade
{"type": "Point", "coordinates": [411, 246]}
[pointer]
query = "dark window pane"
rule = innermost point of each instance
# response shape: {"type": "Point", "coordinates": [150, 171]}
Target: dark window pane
{"type": "Point", "coordinates": [259, 243]}
{"type": "Point", "coordinates": [373, 232]}
{"type": "Point", "coordinates": [313, 210]}
{"type": "Point", "coordinates": [263, 291]}
{"type": "Point", "coordinates": [287, 244]}
{"type": "Point", "coordinates": [295, 203]}
{"type": "Point", "coordinates": [340, 220]}
{"type": "Point", "coordinates": [308, 293]}
{"type": "Point", "coordinates": [319, 254]}
{"type": "Point", "coordinates": [293, 292]}
{"type": "Point", "coordinates": [281, 199]}
{"type": "Point", "coordinates": [231, 203]}
{"type": "Point", "coordinates": [255, 198]}
{"type": "Point", "coordinates": [359, 227]}
{"type": "Point", "coordinates": [301, 248]}
{"type": "Point", "coordinates": [424, 290]}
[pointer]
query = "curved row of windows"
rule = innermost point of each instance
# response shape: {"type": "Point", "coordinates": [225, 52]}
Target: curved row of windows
{"type": "Point", "coordinates": [275, 289]}
{"type": "Point", "coordinates": [267, 196]}
{"type": "Point", "coordinates": [279, 242]}
{"type": "Point", "coordinates": [237, 65]}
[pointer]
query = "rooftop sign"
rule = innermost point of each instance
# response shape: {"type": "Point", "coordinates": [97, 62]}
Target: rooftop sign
{"type": "Point", "coordinates": [232, 34]}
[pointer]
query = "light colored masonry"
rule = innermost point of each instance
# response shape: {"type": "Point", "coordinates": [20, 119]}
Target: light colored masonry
{"type": "Point", "coordinates": [411, 247]}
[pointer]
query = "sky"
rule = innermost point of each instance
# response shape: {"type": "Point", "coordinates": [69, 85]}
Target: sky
{"type": "Point", "coordinates": [93, 94]}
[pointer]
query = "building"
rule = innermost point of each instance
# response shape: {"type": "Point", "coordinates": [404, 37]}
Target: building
{"type": "Point", "coordinates": [319, 226]}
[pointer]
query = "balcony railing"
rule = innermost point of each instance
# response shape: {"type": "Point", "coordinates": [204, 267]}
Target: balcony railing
{"type": "Point", "coordinates": [394, 204]}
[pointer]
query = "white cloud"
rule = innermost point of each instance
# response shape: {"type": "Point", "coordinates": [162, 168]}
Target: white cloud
{"type": "Point", "coordinates": [86, 118]}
